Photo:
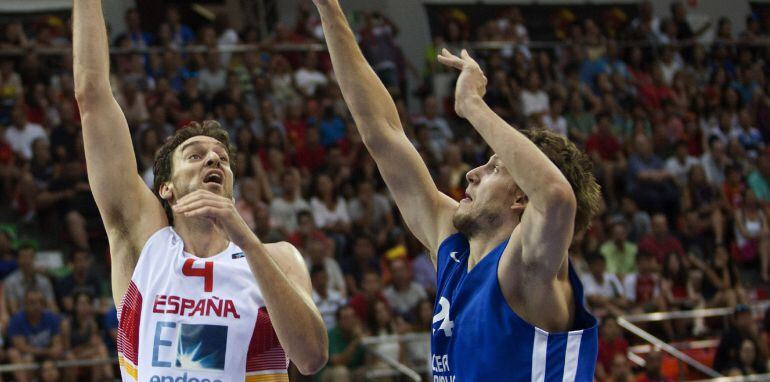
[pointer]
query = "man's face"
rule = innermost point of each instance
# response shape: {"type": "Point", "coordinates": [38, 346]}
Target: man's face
{"type": "Point", "coordinates": [370, 283]}
{"type": "Point", "coordinates": [34, 303]}
{"type": "Point", "coordinates": [659, 225]}
{"type": "Point", "coordinates": [27, 260]}
{"type": "Point", "coordinates": [347, 319]}
{"type": "Point", "coordinates": [200, 162]}
{"type": "Point", "coordinates": [490, 196]}
{"type": "Point", "coordinates": [320, 280]}
{"type": "Point", "coordinates": [399, 272]}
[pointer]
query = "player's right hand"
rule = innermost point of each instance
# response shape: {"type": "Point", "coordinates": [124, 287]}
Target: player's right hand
{"type": "Point", "coordinates": [220, 210]}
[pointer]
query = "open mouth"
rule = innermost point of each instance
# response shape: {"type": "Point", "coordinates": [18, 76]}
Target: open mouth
{"type": "Point", "coordinates": [214, 177]}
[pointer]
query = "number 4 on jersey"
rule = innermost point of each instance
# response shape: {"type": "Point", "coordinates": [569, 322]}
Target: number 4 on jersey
{"type": "Point", "coordinates": [207, 272]}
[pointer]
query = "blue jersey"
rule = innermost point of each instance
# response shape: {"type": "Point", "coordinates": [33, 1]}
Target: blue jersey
{"type": "Point", "coordinates": [478, 337]}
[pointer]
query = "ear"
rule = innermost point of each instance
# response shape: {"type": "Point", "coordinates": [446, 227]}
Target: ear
{"type": "Point", "coordinates": [520, 200]}
{"type": "Point", "coordinates": [166, 191]}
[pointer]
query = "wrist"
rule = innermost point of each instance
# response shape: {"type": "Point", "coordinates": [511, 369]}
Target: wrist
{"type": "Point", "coordinates": [467, 103]}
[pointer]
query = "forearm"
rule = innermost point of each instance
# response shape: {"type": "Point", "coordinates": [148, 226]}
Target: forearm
{"type": "Point", "coordinates": [363, 91]}
{"type": "Point", "coordinates": [533, 172]}
{"type": "Point", "coordinates": [91, 61]}
{"type": "Point", "coordinates": [295, 319]}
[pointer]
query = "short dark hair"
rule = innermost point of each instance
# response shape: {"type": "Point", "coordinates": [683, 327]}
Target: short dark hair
{"type": "Point", "coordinates": [163, 167]}
{"type": "Point", "coordinates": [576, 167]}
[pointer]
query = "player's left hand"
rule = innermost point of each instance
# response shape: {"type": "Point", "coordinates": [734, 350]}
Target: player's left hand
{"type": "Point", "coordinates": [472, 81]}
{"type": "Point", "coordinates": [219, 209]}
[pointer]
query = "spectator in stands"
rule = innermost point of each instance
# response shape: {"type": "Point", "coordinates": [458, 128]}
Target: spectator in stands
{"type": "Point", "coordinates": [603, 290]}
{"type": "Point", "coordinates": [329, 209]}
{"type": "Point", "coordinates": [318, 251]}
{"type": "Point", "coordinates": [438, 128]}
{"type": "Point", "coordinates": [618, 252]}
{"type": "Point", "coordinates": [21, 133]}
{"type": "Point", "coordinates": [371, 292]}
{"type": "Point", "coordinates": [213, 77]}
{"type": "Point", "coordinates": [25, 279]}
{"type": "Point", "coordinates": [403, 294]}
{"type": "Point", "coordinates": [704, 201]}
{"type": "Point", "coordinates": [371, 212]}
{"type": "Point", "coordinates": [715, 161]}
{"type": "Point", "coordinates": [651, 186]}
{"type": "Point", "coordinates": [642, 287]}
{"type": "Point", "coordinates": [346, 354]}
{"type": "Point", "coordinates": [750, 361]}
{"type": "Point", "coordinates": [49, 372]}
{"type": "Point", "coordinates": [759, 179]}
{"type": "Point", "coordinates": [605, 151]}
{"type": "Point", "coordinates": [660, 242]}
{"type": "Point", "coordinates": [34, 334]}
{"type": "Point", "coordinates": [652, 368]}
{"type": "Point", "coordinates": [729, 351]}
{"type": "Point", "coordinates": [284, 208]}
{"type": "Point", "coordinates": [136, 37]}
{"type": "Point", "coordinates": [7, 255]}
{"type": "Point", "coordinates": [611, 344]}
{"type": "Point", "coordinates": [752, 234]}
{"type": "Point", "coordinates": [680, 164]}
{"type": "Point", "coordinates": [83, 340]}
{"type": "Point", "coordinates": [181, 34]}
{"type": "Point", "coordinates": [325, 298]}
{"type": "Point", "coordinates": [81, 280]}
{"type": "Point", "coordinates": [380, 323]}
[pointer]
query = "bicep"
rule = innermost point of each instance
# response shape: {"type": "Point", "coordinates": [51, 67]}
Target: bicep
{"type": "Point", "coordinates": [546, 233]}
{"type": "Point", "coordinates": [425, 209]}
{"type": "Point", "coordinates": [117, 187]}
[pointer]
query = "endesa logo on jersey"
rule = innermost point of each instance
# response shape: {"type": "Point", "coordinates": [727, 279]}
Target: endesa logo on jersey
{"type": "Point", "coordinates": [189, 307]}
{"type": "Point", "coordinates": [189, 348]}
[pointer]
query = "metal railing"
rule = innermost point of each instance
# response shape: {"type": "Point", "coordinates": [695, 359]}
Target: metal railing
{"type": "Point", "coordinates": [628, 322]}
{"type": "Point", "coordinates": [9, 368]}
{"type": "Point", "coordinates": [318, 47]}
{"type": "Point", "coordinates": [398, 368]}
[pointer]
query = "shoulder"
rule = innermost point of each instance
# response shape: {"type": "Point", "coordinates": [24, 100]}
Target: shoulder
{"type": "Point", "coordinates": [287, 256]}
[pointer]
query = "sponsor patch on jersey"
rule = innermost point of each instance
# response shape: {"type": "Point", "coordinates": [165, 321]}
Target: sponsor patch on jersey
{"type": "Point", "coordinates": [238, 255]}
{"type": "Point", "coordinates": [201, 347]}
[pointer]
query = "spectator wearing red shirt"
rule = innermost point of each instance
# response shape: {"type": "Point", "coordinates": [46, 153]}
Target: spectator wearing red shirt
{"type": "Point", "coordinates": [660, 242]}
{"type": "Point", "coordinates": [611, 343]}
{"type": "Point", "coordinates": [652, 368]}
{"type": "Point", "coordinates": [606, 153]}
{"type": "Point", "coordinates": [371, 291]}
{"type": "Point", "coordinates": [311, 155]}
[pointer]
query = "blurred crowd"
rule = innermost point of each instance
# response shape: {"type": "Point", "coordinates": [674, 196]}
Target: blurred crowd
{"type": "Point", "coordinates": [677, 131]}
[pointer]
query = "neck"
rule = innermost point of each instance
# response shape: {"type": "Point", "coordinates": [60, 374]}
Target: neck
{"type": "Point", "coordinates": [201, 237]}
{"type": "Point", "coordinates": [486, 240]}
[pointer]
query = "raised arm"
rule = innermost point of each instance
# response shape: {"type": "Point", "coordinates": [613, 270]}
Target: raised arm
{"type": "Point", "coordinates": [130, 211]}
{"type": "Point", "coordinates": [547, 223]}
{"type": "Point", "coordinates": [426, 211]}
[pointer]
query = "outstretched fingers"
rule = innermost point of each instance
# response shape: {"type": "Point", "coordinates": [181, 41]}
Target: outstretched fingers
{"type": "Point", "coordinates": [449, 59]}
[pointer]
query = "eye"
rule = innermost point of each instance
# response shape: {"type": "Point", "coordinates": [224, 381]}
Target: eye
{"type": "Point", "coordinates": [194, 157]}
{"type": "Point", "coordinates": [224, 158]}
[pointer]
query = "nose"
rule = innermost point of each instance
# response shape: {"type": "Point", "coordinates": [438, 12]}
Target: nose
{"type": "Point", "coordinates": [212, 159]}
{"type": "Point", "coordinates": [472, 176]}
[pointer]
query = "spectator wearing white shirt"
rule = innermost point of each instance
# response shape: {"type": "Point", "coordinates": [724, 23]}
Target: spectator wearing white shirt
{"type": "Point", "coordinates": [534, 100]}
{"type": "Point", "coordinates": [21, 134]}
{"type": "Point", "coordinates": [403, 294]}
{"type": "Point", "coordinates": [603, 290]}
{"type": "Point", "coordinates": [213, 78]}
{"type": "Point", "coordinates": [327, 300]}
{"type": "Point", "coordinates": [284, 209]}
{"type": "Point", "coordinates": [553, 120]}
{"type": "Point", "coordinates": [437, 126]}
{"type": "Point", "coordinates": [308, 78]}
{"type": "Point", "coordinates": [680, 163]}
{"type": "Point", "coordinates": [318, 252]}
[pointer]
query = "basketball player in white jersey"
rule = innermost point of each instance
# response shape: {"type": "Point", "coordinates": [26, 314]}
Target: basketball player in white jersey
{"type": "Point", "coordinates": [201, 298]}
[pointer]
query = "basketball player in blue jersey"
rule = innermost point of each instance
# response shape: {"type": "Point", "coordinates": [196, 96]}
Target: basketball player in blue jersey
{"type": "Point", "coordinates": [509, 306]}
{"type": "Point", "coordinates": [201, 297]}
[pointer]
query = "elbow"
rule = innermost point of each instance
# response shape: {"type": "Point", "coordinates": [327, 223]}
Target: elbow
{"type": "Point", "coordinates": [313, 363]}
{"type": "Point", "coordinates": [562, 198]}
{"type": "Point", "coordinates": [90, 88]}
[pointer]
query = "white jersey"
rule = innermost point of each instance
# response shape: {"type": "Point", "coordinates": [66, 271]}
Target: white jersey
{"type": "Point", "coordinates": [190, 319]}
